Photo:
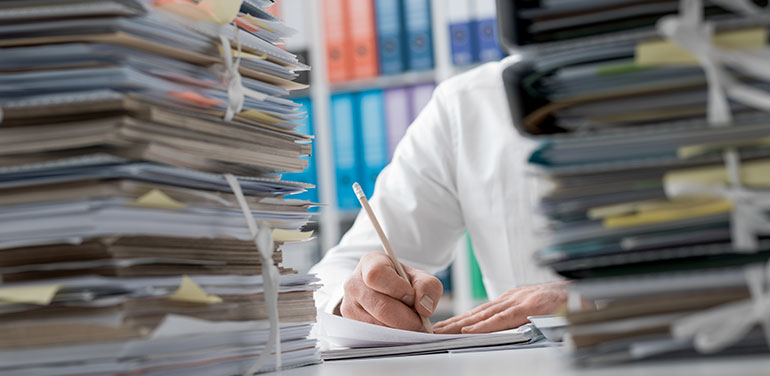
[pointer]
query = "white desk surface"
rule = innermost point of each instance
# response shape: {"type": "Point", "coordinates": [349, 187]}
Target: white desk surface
{"type": "Point", "coordinates": [528, 362]}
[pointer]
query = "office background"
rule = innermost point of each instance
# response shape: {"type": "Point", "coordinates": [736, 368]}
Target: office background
{"type": "Point", "coordinates": [375, 66]}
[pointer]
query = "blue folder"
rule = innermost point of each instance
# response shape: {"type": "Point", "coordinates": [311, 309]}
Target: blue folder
{"type": "Point", "coordinates": [390, 36]}
{"type": "Point", "coordinates": [417, 22]}
{"type": "Point", "coordinates": [346, 149]}
{"type": "Point", "coordinates": [488, 45]}
{"type": "Point", "coordinates": [374, 137]}
{"type": "Point", "coordinates": [462, 37]}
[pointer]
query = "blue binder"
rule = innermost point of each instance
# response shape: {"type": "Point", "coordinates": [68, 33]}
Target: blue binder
{"type": "Point", "coordinates": [346, 149]}
{"type": "Point", "coordinates": [418, 34]}
{"type": "Point", "coordinates": [390, 36]}
{"type": "Point", "coordinates": [309, 174]}
{"type": "Point", "coordinates": [462, 37]}
{"type": "Point", "coordinates": [374, 137]}
{"type": "Point", "coordinates": [489, 47]}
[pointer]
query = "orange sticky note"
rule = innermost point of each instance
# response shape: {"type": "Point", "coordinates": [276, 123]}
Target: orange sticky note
{"type": "Point", "coordinates": [196, 98]}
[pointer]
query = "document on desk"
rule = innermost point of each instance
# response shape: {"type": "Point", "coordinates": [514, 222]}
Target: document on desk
{"type": "Point", "coordinates": [345, 338]}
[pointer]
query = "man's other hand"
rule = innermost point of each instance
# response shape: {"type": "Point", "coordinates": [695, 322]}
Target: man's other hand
{"type": "Point", "coordinates": [375, 293]}
{"type": "Point", "coordinates": [508, 311]}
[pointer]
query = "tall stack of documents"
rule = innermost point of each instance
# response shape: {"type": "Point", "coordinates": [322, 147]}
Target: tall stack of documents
{"type": "Point", "coordinates": [124, 246]}
{"type": "Point", "coordinates": [631, 164]}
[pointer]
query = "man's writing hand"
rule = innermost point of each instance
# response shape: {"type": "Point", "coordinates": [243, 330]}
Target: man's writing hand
{"type": "Point", "coordinates": [375, 293]}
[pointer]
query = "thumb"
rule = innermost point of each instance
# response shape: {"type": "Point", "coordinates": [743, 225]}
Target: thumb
{"type": "Point", "coordinates": [428, 291]}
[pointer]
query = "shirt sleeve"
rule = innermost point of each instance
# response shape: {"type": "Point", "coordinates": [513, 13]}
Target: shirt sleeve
{"type": "Point", "coordinates": [415, 200]}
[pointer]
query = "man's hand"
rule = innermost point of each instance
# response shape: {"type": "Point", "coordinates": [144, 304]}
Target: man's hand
{"type": "Point", "coordinates": [375, 293]}
{"type": "Point", "coordinates": [508, 311]}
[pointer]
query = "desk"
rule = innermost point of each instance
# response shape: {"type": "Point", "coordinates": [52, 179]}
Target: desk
{"type": "Point", "coordinates": [528, 362]}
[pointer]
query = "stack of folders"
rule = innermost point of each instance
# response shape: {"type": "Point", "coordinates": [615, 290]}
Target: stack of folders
{"type": "Point", "coordinates": [624, 141]}
{"type": "Point", "coordinates": [123, 247]}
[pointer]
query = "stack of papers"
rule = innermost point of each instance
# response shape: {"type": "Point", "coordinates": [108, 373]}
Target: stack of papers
{"type": "Point", "coordinates": [631, 165]}
{"type": "Point", "coordinates": [123, 248]}
{"type": "Point", "coordinates": [348, 339]}
{"type": "Point", "coordinates": [555, 23]}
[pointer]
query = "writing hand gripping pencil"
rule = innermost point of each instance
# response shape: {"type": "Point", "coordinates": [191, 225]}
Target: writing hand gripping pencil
{"type": "Point", "coordinates": [376, 293]}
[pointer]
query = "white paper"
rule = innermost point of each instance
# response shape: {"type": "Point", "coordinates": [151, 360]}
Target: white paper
{"type": "Point", "coordinates": [345, 332]}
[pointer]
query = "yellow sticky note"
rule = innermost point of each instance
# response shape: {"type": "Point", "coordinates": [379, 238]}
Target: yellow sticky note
{"type": "Point", "coordinates": [663, 52]}
{"type": "Point", "coordinates": [39, 294]}
{"type": "Point", "coordinates": [754, 174]}
{"type": "Point", "coordinates": [224, 11]}
{"type": "Point", "coordinates": [258, 22]}
{"type": "Point", "coordinates": [690, 151]}
{"type": "Point", "coordinates": [665, 213]}
{"type": "Point", "coordinates": [189, 291]}
{"type": "Point", "coordinates": [243, 54]}
{"type": "Point", "coordinates": [156, 199]}
{"type": "Point", "coordinates": [614, 210]}
{"type": "Point", "coordinates": [261, 116]}
{"type": "Point", "coordinates": [280, 235]}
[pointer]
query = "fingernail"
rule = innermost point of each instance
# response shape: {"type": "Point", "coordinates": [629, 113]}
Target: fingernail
{"type": "Point", "coordinates": [408, 300]}
{"type": "Point", "coordinates": [427, 303]}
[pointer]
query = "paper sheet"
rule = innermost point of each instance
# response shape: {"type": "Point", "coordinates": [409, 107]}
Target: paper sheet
{"type": "Point", "coordinates": [345, 332]}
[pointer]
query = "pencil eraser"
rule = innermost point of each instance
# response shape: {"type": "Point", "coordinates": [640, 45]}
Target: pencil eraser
{"type": "Point", "coordinates": [358, 190]}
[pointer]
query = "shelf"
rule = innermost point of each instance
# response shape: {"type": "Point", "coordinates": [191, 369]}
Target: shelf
{"type": "Point", "coordinates": [385, 82]}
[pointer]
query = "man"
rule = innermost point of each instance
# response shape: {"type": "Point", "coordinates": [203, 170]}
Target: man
{"type": "Point", "coordinates": [460, 166]}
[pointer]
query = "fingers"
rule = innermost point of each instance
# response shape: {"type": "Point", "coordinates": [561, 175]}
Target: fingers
{"type": "Point", "coordinates": [469, 320]}
{"type": "Point", "coordinates": [378, 274]}
{"type": "Point", "coordinates": [428, 290]}
{"type": "Point", "coordinates": [391, 312]}
{"type": "Point", "coordinates": [464, 316]}
{"type": "Point", "coordinates": [510, 318]}
{"type": "Point", "coordinates": [384, 309]}
{"type": "Point", "coordinates": [353, 310]}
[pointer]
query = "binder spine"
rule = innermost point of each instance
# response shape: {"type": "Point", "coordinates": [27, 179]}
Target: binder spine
{"type": "Point", "coordinates": [363, 37]}
{"type": "Point", "coordinates": [346, 150]}
{"type": "Point", "coordinates": [418, 32]}
{"type": "Point", "coordinates": [486, 31]}
{"type": "Point", "coordinates": [371, 109]}
{"type": "Point", "coordinates": [397, 116]}
{"type": "Point", "coordinates": [390, 37]}
{"type": "Point", "coordinates": [462, 32]}
{"type": "Point", "coordinates": [337, 52]}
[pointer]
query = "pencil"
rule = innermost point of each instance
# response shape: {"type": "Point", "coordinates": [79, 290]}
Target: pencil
{"type": "Point", "coordinates": [386, 244]}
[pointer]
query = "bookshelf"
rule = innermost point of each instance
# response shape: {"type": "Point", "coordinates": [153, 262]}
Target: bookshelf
{"type": "Point", "coordinates": [331, 221]}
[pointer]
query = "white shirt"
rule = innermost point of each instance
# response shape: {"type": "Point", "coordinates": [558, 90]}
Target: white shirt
{"type": "Point", "coordinates": [460, 167]}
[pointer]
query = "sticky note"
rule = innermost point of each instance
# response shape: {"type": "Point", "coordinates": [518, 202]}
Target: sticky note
{"type": "Point", "coordinates": [187, 8]}
{"type": "Point", "coordinates": [665, 52]}
{"type": "Point", "coordinates": [667, 213]}
{"type": "Point", "coordinates": [189, 291]}
{"type": "Point", "coordinates": [690, 151]}
{"type": "Point", "coordinates": [754, 174]}
{"type": "Point", "coordinates": [38, 294]}
{"type": "Point", "coordinates": [221, 12]}
{"type": "Point", "coordinates": [281, 235]}
{"type": "Point", "coordinates": [258, 22]}
{"type": "Point", "coordinates": [243, 54]}
{"type": "Point", "coordinates": [156, 199]}
{"type": "Point", "coordinates": [260, 116]}
{"type": "Point", "coordinates": [196, 98]}
{"type": "Point", "coordinates": [224, 10]}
